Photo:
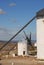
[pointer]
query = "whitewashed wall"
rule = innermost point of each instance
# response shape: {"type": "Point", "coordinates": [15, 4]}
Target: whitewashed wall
{"type": "Point", "coordinates": [22, 46]}
{"type": "Point", "coordinates": [40, 38]}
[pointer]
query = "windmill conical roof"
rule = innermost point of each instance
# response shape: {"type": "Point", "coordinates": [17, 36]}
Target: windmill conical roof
{"type": "Point", "coordinates": [40, 13]}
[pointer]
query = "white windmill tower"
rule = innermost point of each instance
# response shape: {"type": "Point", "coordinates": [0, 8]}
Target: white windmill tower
{"type": "Point", "coordinates": [22, 48]}
{"type": "Point", "coordinates": [40, 34]}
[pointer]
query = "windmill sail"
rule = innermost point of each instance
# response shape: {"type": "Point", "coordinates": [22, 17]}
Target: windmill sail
{"type": "Point", "coordinates": [18, 32]}
{"type": "Point", "coordinates": [28, 39]}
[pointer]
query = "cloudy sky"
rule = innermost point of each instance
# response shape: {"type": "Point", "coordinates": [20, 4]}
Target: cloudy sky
{"type": "Point", "coordinates": [16, 13]}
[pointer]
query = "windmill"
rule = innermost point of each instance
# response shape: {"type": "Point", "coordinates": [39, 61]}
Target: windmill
{"type": "Point", "coordinates": [29, 40]}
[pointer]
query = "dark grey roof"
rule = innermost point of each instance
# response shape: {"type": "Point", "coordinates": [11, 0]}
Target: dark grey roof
{"type": "Point", "coordinates": [40, 13]}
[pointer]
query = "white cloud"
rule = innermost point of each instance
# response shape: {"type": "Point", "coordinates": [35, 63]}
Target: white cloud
{"type": "Point", "coordinates": [12, 4]}
{"type": "Point", "coordinates": [2, 11]}
{"type": "Point", "coordinates": [4, 31]}
{"type": "Point", "coordinates": [5, 34]}
{"type": "Point", "coordinates": [12, 20]}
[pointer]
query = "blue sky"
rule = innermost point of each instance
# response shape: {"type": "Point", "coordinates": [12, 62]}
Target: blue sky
{"type": "Point", "coordinates": [16, 13]}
